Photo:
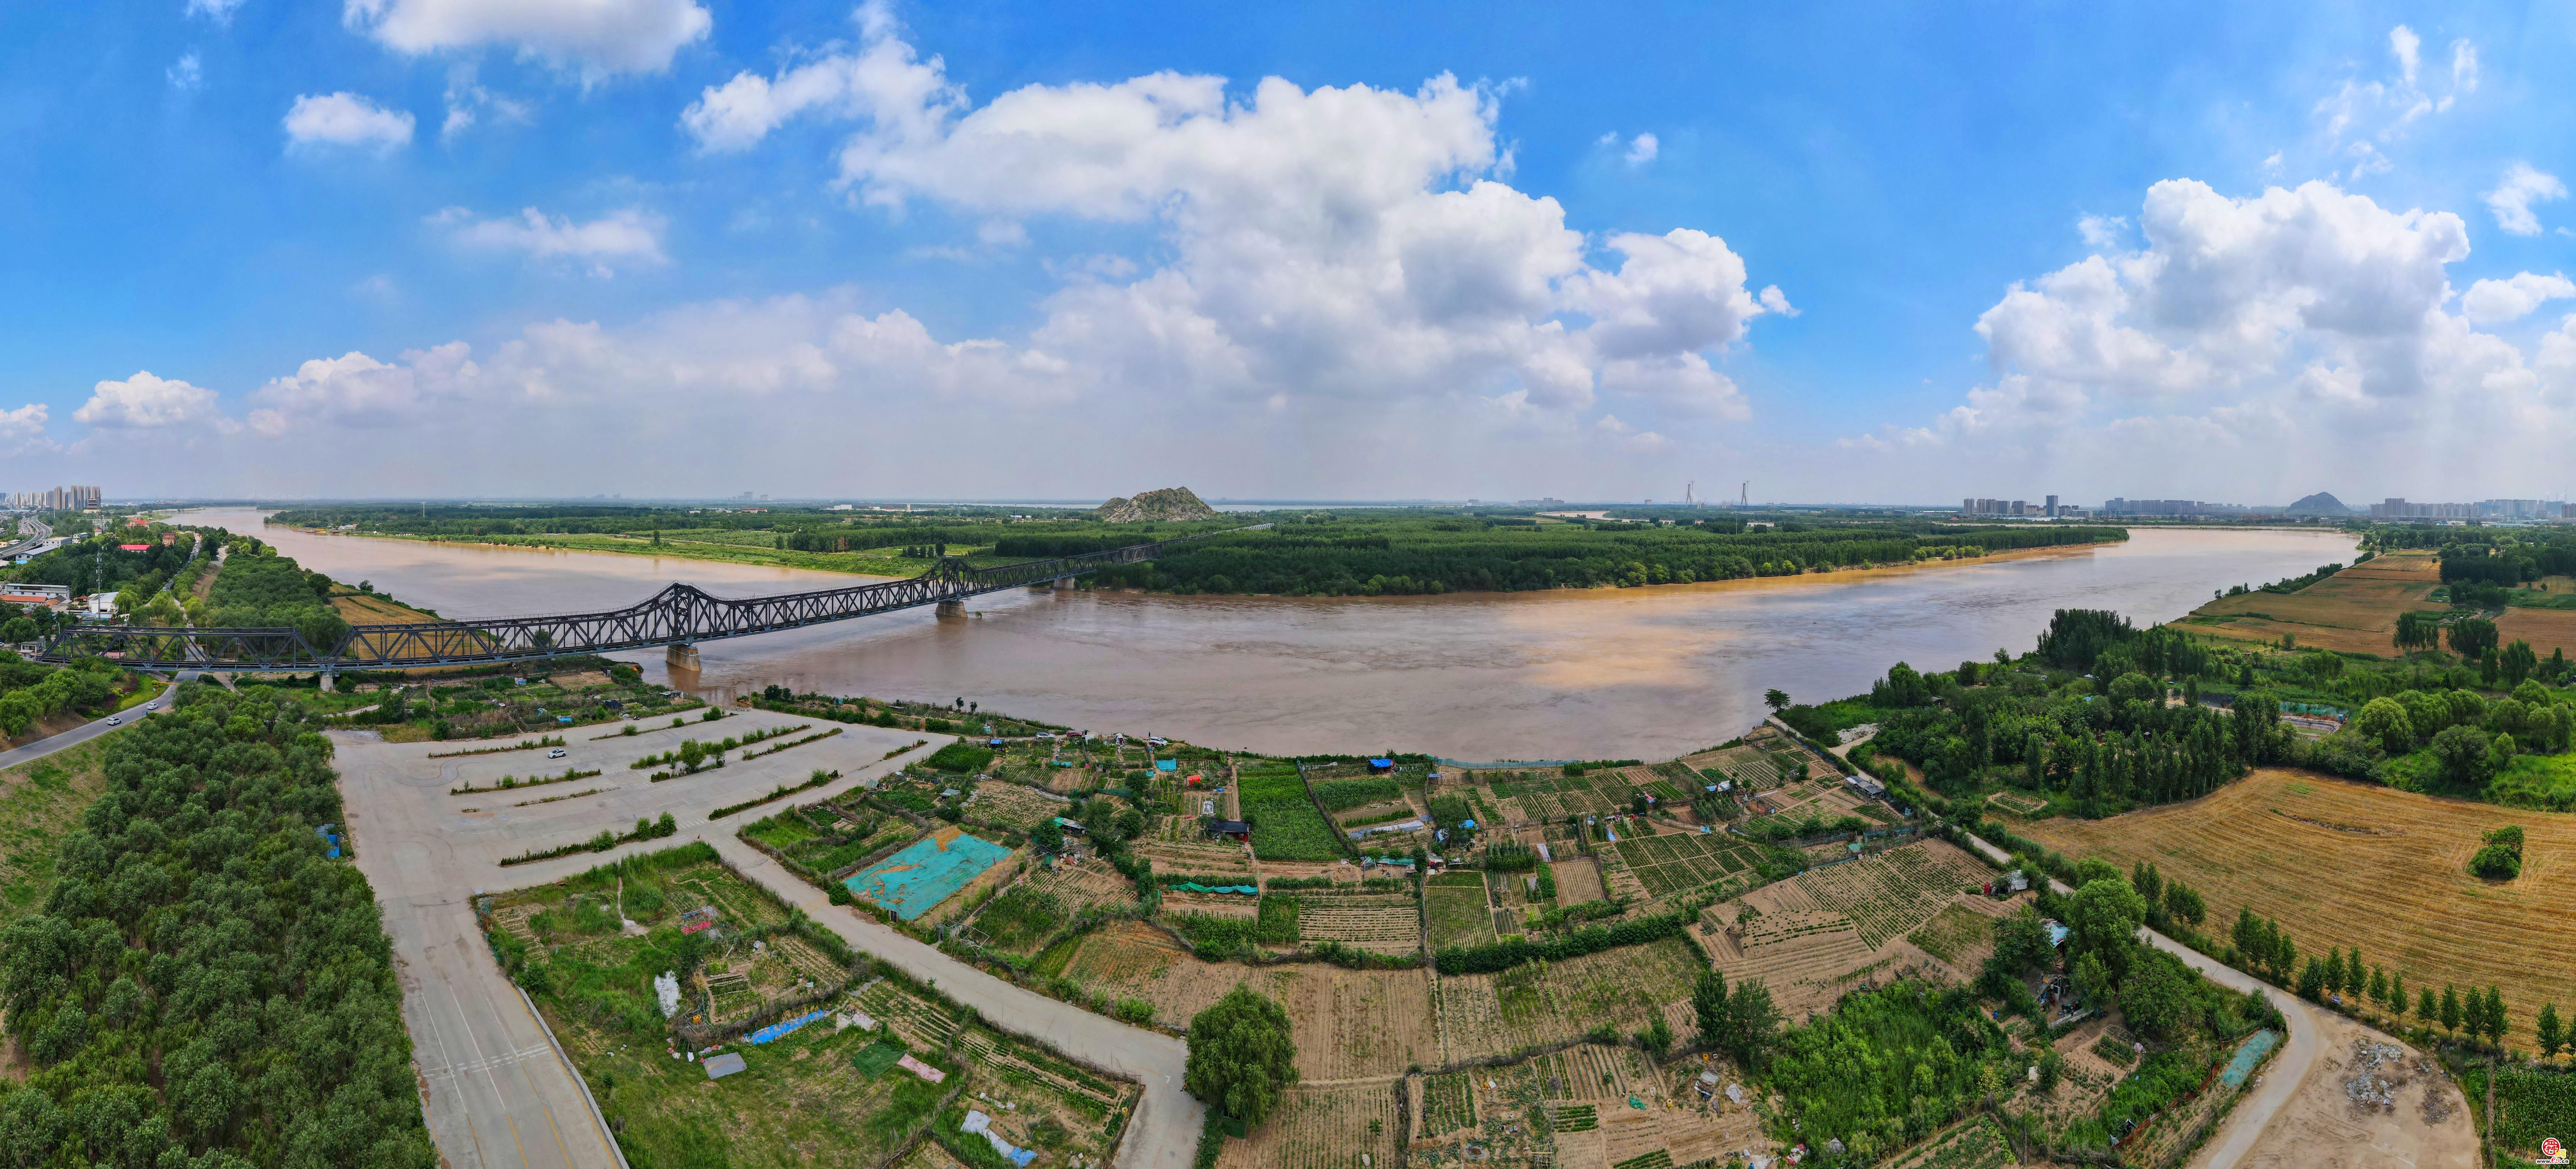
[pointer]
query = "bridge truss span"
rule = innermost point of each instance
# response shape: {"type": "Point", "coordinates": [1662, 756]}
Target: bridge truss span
{"type": "Point", "coordinates": [680, 614]}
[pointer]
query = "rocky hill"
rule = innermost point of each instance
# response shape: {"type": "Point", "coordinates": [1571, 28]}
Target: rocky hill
{"type": "Point", "coordinates": [1167, 504]}
{"type": "Point", "coordinates": [2321, 503]}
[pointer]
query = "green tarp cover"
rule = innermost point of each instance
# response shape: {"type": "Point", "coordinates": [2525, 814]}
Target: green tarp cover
{"type": "Point", "coordinates": [1195, 887]}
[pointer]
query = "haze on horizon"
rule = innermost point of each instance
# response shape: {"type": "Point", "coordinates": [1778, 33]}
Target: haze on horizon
{"type": "Point", "coordinates": [658, 247]}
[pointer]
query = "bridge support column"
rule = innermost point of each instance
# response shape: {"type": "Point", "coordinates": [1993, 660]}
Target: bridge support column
{"type": "Point", "coordinates": [1063, 584]}
{"type": "Point", "coordinates": [330, 681]}
{"type": "Point", "coordinates": [681, 657]}
{"type": "Point", "coordinates": [952, 608]}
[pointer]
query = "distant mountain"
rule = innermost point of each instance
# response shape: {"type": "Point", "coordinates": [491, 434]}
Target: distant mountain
{"type": "Point", "coordinates": [2321, 503]}
{"type": "Point", "coordinates": [1167, 504]}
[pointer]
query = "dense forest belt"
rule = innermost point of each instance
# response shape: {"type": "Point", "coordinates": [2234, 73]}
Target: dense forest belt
{"type": "Point", "coordinates": [1306, 553]}
{"type": "Point", "coordinates": [1348, 560]}
{"type": "Point", "coordinates": [202, 978]}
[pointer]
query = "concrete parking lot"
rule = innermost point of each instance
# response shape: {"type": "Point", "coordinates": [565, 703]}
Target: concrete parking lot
{"type": "Point", "coordinates": [498, 1093]}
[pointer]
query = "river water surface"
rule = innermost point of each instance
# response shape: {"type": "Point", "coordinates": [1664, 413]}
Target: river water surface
{"type": "Point", "coordinates": [1605, 673]}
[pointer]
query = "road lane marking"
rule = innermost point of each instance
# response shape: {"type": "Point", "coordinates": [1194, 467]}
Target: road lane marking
{"type": "Point", "coordinates": [494, 1084]}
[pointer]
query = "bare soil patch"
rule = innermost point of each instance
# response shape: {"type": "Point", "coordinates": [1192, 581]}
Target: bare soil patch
{"type": "Point", "coordinates": [2323, 1128]}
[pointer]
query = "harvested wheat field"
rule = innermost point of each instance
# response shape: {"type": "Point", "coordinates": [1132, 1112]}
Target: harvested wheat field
{"type": "Point", "coordinates": [2346, 864]}
{"type": "Point", "coordinates": [2353, 611]}
{"type": "Point", "coordinates": [1347, 1023]}
{"type": "Point", "coordinates": [2545, 629]}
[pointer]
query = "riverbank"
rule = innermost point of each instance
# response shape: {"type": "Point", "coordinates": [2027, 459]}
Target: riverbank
{"type": "Point", "coordinates": [870, 566]}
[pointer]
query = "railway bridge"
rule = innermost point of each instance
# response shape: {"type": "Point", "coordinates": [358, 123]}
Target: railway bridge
{"type": "Point", "coordinates": [679, 617]}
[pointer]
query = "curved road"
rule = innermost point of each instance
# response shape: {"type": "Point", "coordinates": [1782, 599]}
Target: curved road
{"type": "Point", "coordinates": [2299, 1051]}
{"type": "Point", "coordinates": [82, 733]}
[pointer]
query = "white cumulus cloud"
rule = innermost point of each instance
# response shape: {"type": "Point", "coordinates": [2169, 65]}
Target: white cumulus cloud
{"type": "Point", "coordinates": [186, 73]}
{"type": "Point", "coordinates": [2493, 302]}
{"type": "Point", "coordinates": [2512, 199]}
{"type": "Point", "coordinates": [219, 11]}
{"type": "Point", "coordinates": [2264, 340]}
{"type": "Point", "coordinates": [145, 402]}
{"type": "Point", "coordinates": [600, 37]}
{"type": "Point", "coordinates": [345, 119]}
{"type": "Point", "coordinates": [22, 430]}
{"type": "Point", "coordinates": [1642, 149]}
{"type": "Point", "coordinates": [630, 234]}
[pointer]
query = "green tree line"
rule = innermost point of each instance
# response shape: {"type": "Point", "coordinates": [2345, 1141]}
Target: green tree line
{"type": "Point", "coordinates": [203, 987]}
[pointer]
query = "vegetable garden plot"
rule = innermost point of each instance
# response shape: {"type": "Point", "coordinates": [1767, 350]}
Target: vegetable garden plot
{"type": "Point", "coordinates": [1487, 1014]}
{"type": "Point", "coordinates": [1012, 804]}
{"type": "Point", "coordinates": [1285, 825]}
{"type": "Point", "coordinates": [1448, 1103]}
{"type": "Point", "coordinates": [1895, 892]}
{"type": "Point", "coordinates": [1977, 1144]}
{"type": "Point", "coordinates": [1323, 1127]}
{"type": "Point", "coordinates": [1455, 905]}
{"type": "Point", "coordinates": [1385, 924]}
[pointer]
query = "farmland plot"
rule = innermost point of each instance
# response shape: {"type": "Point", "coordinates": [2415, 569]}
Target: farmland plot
{"type": "Point", "coordinates": [1381, 922]}
{"type": "Point", "coordinates": [1323, 1127]}
{"type": "Point", "coordinates": [1895, 892]}
{"type": "Point", "coordinates": [1678, 862]}
{"type": "Point", "coordinates": [1811, 936]}
{"type": "Point", "coordinates": [1346, 1023]}
{"type": "Point", "coordinates": [1489, 1014]}
{"type": "Point", "coordinates": [2346, 864]}
{"type": "Point", "coordinates": [1577, 880]}
{"type": "Point", "coordinates": [1012, 804]}
{"type": "Point", "coordinates": [1459, 916]}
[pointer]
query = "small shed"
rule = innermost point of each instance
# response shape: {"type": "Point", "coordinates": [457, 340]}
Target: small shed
{"type": "Point", "coordinates": [720, 1066]}
{"type": "Point", "coordinates": [1235, 829]}
{"type": "Point", "coordinates": [1381, 765]}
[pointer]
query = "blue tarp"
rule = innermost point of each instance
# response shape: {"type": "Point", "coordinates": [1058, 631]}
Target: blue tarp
{"type": "Point", "coordinates": [2247, 1056]}
{"type": "Point", "coordinates": [780, 1029]}
{"type": "Point", "coordinates": [1167, 765]}
{"type": "Point", "coordinates": [922, 875]}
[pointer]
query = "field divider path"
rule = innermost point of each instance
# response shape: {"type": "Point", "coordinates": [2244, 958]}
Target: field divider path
{"type": "Point", "coordinates": [2290, 1069]}
{"type": "Point", "coordinates": [1165, 1131]}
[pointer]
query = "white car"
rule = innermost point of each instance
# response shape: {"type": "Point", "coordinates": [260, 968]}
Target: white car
{"type": "Point", "coordinates": [115, 720]}
{"type": "Point", "coordinates": [557, 753]}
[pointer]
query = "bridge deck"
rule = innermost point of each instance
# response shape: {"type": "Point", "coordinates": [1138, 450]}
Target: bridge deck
{"type": "Point", "coordinates": [678, 615]}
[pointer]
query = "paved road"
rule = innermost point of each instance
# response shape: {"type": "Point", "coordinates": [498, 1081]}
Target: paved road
{"type": "Point", "coordinates": [82, 733]}
{"type": "Point", "coordinates": [498, 1094]}
{"type": "Point", "coordinates": [2288, 1070]}
{"type": "Point", "coordinates": [1165, 1130]}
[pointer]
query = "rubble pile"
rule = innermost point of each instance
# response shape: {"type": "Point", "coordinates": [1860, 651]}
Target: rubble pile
{"type": "Point", "coordinates": [2378, 1074]}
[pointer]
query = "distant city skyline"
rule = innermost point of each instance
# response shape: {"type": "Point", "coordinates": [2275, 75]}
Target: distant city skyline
{"type": "Point", "coordinates": [427, 246]}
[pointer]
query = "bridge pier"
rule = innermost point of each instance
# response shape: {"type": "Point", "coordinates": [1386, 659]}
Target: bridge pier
{"type": "Point", "coordinates": [330, 681]}
{"type": "Point", "coordinates": [1063, 584]}
{"type": "Point", "coordinates": [681, 657]}
{"type": "Point", "coordinates": [951, 609]}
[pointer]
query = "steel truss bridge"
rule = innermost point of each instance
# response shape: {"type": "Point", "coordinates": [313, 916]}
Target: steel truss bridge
{"type": "Point", "coordinates": [678, 616]}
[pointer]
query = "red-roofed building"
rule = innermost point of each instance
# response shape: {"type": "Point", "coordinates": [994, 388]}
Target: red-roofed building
{"type": "Point", "coordinates": [135, 547]}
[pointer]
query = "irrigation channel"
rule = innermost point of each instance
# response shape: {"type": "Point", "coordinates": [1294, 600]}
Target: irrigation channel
{"type": "Point", "coordinates": [1605, 673]}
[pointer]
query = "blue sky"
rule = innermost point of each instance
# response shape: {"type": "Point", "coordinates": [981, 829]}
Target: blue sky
{"type": "Point", "coordinates": [698, 247]}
